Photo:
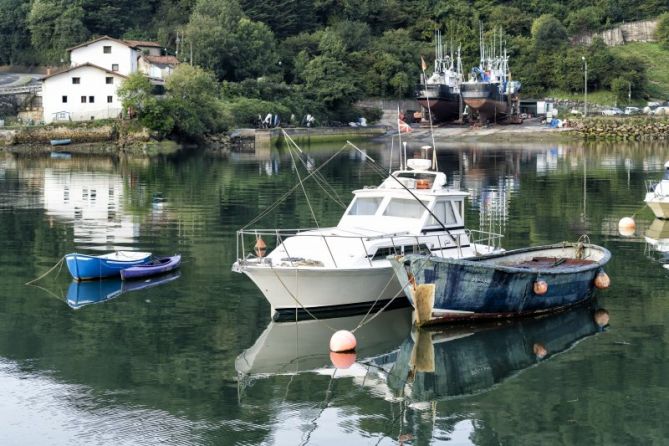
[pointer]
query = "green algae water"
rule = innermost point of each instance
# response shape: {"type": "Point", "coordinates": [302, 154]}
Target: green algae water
{"type": "Point", "coordinates": [194, 358]}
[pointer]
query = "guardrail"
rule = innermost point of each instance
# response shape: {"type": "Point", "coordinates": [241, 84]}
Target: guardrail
{"type": "Point", "coordinates": [20, 89]}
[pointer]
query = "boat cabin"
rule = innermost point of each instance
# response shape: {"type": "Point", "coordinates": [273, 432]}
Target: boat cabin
{"type": "Point", "coordinates": [393, 207]}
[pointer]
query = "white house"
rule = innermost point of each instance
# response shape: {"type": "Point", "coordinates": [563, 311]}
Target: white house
{"type": "Point", "coordinates": [81, 93]}
{"type": "Point", "coordinates": [87, 90]}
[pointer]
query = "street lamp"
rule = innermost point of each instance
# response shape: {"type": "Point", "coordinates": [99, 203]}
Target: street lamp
{"type": "Point", "coordinates": [585, 89]}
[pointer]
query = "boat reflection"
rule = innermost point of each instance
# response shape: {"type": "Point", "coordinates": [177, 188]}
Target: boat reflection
{"type": "Point", "coordinates": [657, 242]}
{"type": "Point", "coordinates": [302, 346]}
{"type": "Point", "coordinates": [460, 360]}
{"type": "Point", "coordinates": [80, 294]}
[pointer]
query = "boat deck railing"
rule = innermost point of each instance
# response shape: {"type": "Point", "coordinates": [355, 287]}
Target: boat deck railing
{"type": "Point", "coordinates": [652, 186]}
{"type": "Point", "coordinates": [399, 242]}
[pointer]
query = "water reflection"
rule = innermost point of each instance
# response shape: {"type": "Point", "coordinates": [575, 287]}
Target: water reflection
{"type": "Point", "coordinates": [657, 242]}
{"type": "Point", "coordinates": [93, 204]}
{"type": "Point", "coordinates": [302, 346]}
{"type": "Point", "coordinates": [80, 294]}
{"type": "Point", "coordinates": [456, 361]}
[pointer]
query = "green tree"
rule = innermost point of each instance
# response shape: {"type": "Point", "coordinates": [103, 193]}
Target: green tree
{"type": "Point", "coordinates": [55, 26]}
{"type": "Point", "coordinates": [588, 19]}
{"type": "Point", "coordinates": [619, 87]}
{"type": "Point", "coordinates": [135, 92]}
{"type": "Point", "coordinates": [15, 41]}
{"type": "Point", "coordinates": [333, 82]}
{"type": "Point", "coordinates": [197, 111]}
{"type": "Point", "coordinates": [548, 33]}
{"type": "Point", "coordinates": [662, 30]}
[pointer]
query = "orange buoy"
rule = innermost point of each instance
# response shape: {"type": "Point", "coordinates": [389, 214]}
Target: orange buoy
{"type": "Point", "coordinates": [260, 247]}
{"type": "Point", "coordinates": [540, 287]}
{"type": "Point", "coordinates": [342, 341]}
{"type": "Point", "coordinates": [626, 226]}
{"type": "Point", "coordinates": [601, 318]}
{"type": "Point", "coordinates": [342, 360]}
{"type": "Point", "coordinates": [602, 280]}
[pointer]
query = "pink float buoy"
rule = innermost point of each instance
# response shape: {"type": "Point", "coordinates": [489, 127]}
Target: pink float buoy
{"type": "Point", "coordinates": [342, 360]}
{"type": "Point", "coordinates": [626, 226]}
{"type": "Point", "coordinates": [342, 341]}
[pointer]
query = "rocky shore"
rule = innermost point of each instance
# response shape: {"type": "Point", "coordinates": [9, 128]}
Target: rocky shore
{"type": "Point", "coordinates": [626, 128]}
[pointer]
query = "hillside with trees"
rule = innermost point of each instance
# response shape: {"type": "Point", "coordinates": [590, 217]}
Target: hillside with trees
{"type": "Point", "coordinates": [321, 56]}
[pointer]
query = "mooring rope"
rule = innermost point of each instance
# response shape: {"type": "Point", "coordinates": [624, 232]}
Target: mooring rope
{"type": "Point", "coordinates": [59, 263]}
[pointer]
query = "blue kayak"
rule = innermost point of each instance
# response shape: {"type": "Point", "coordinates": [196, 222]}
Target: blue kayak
{"type": "Point", "coordinates": [86, 267]}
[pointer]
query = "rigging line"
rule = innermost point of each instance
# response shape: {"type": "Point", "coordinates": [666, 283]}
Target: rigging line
{"type": "Point", "coordinates": [325, 182]}
{"type": "Point", "coordinates": [320, 180]}
{"type": "Point", "coordinates": [287, 194]}
{"type": "Point", "coordinates": [399, 293]}
{"type": "Point", "coordinates": [299, 177]}
{"type": "Point", "coordinates": [408, 190]}
{"type": "Point", "coordinates": [59, 263]}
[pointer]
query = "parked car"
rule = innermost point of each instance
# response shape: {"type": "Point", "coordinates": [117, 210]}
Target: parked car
{"type": "Point", "coordinates": [613, 111]}
{"type": "Point", "coordinates": [632, 110]}
{"type": "Point", "coordinates": [576, 112]}
{"type": "Point", "coordinates": [663, 110]}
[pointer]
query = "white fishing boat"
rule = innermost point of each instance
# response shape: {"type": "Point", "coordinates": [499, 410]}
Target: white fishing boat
{"type": "Point", "coordinates": [345, 267]}
{"type": "Point", "coordinates": [657, 195]}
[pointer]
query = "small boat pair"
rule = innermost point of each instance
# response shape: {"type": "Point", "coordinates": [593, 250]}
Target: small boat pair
{"type": "Point", "coordinates": [128, 264]}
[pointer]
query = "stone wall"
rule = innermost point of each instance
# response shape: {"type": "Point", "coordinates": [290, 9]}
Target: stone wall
{"type": "Point", "coordinates": [389, 108]}
{"type": "Point", "coordinates": [642, 31]}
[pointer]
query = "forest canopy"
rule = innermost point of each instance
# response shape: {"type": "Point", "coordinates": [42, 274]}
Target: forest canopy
{"type": "Point", "coordinates": [323, 55]}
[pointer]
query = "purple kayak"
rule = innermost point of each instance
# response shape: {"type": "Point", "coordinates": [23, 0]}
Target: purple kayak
{"type": "Point", "coordinates": [159, 265]}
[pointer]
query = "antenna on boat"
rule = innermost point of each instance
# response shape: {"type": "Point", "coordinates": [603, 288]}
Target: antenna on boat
{"type": "Point", "coordinates": [399, 130]}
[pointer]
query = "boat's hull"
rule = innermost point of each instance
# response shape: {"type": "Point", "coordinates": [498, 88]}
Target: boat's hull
{"type": "Point", "coordinates": [476, 289]}
{"type": "Point", "coordinates": [485, 98]}
{"type": "Point", "coordinates": [291, 289]}
{"type": "Point", "coordinates": [658, 204]}
{"type": "Point", "coordinates": [60, 142]}
{"type": "Point", "coordinates": [85, 267]}
{"type": "Point", "coordinates": [158, 266]}
{"type": "Point", "coordinates": [443, 103]}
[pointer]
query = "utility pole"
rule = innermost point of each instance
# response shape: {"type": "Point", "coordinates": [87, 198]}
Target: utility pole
{"type": "Point", "coordinates": [585, 89]}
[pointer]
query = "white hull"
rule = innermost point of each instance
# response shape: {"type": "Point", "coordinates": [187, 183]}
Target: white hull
{"type": "Point", "coordinates": [658, 204]}
{"type": "Point", "coordinates": [287, 288]}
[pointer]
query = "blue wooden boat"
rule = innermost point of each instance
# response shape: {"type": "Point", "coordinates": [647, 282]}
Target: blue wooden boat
{"type": "Point", "coordinates": [456, 360]}
{"type": "Point", "coordinates": [80, 294]}
{"type": "Point", "coordinates": [159, 265]}
{"type": "Point", "coordinates": [86, 267]}
{"type": "Point", "coordinates": [60, 142]}
{"type": "Point", "coordinates": [513, 283]}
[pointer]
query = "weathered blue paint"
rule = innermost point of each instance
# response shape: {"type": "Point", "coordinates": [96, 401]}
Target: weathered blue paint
{"type": "Point", "coordinates": [489, 288]}
{"type": "Point", "coordinates": [473, 359]}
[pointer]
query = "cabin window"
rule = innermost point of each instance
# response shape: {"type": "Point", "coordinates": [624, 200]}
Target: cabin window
{"type": "Point", "coordinates": [365, 206]}
{"type": "Point", "coordinates": [110, 99]}
{"type": "Point", "coordinates": [91, 99]}
{"type": "Point", "coordinates": [109, 80]}
{"type": "Point", "coordinates": [106, 49]}
{"type": "Point", "coordinates": [64, 99]}
{"type": "Point", "coordinates": [114, 67]}
{"type": "Point", "coordinates": [83, 99]}
{"type": "Point", "coordinates": [76, 80]}
{"type": "Point", "coordinates": [406, 208]}
{"type": "Point", "coordinates": [382, 253]}
{"type": "Point", "coordinates": [444, 212]}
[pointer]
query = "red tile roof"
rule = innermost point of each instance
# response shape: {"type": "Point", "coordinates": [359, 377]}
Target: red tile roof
{"type": "Point", "coordinates": [162, 60]}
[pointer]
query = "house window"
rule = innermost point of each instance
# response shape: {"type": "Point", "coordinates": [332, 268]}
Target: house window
{"type": "Point", "coordinates": [64, 99]}
{"type": "Point", "coordinates": [106, 49]}
{"type": "Point", "coordinates": [83, 99]}
{"type": "Point", "coordinates": [91, 99]}
{"type": "Point", "coordinates": [109, 80]}
{"type": "Point", "coordinates": [109, 99]}
{"type": "Point", "coordinates": [76, 80]}
{"type": "Point", "coordinates": [114, 67]}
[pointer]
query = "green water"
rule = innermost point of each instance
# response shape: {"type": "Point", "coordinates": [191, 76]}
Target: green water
{"type": "Point", "coordinates": [163, 365]}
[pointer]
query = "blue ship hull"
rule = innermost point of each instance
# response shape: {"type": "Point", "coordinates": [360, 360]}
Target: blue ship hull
{"type": "Point", "coordinates": [503, 285]}
{"type": "Point", "coordinates": [85, 267]}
